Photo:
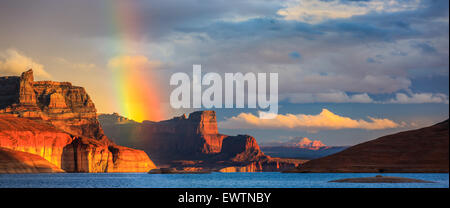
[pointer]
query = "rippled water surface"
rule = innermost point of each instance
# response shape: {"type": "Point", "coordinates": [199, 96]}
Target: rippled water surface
{"type": "Point", "coordinates": [213, 180]}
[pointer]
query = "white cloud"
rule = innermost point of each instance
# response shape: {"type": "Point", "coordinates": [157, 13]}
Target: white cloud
{"type": "Point", "coordinates": [14, 63]}
{"type": "Point", "coordinates": [315, 11]}
{"type": "Point", "coordinates": [342, 97]}
{"type": "Point", "coordinates": [329, 97]}
{"type": "Point", "coordinates": [402, 98]}
{"type": "Point", "coordinates": [326, 120]}
{"type": "Point", "coordinates": [133, 62]}
{"type": "Point", "coordinates": [361, 84]}
{"type": "Point", "coordinates": [75, 66]}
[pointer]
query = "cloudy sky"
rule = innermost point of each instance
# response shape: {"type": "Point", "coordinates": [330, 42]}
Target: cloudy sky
{"type": "Point", "coordinates": [349, 70]}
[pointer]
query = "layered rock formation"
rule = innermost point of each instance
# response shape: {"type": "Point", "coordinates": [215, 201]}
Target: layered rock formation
{"type": "Point", "coordinates": [58, 122]}
{"type": "Point", "coordinates": [89, 155]}
{"type": "Point", "coordinates": [67, 107]}
{"type": "Point", "coordinates": [192, 142]}
{"type": "Point", "coordinates": [12, 161]}
{"type": "Point", "coordinates": [241, 148]}
{"type": "Point", "coordinates": [421, 150]}
{"type": "Point", "coordinates": [180, 138]}
{"type": "Point", "coordinates": [34, 137]}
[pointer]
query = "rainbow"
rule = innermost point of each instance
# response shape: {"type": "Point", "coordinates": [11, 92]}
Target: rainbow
{"type": "Point", "coordinates": [135, 86]}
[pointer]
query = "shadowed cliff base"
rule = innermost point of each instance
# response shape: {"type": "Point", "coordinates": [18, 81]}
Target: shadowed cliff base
{"type": "Point", "coordinates": [58, 122]}
{"type": "Point", "coordinates": [423, 150]}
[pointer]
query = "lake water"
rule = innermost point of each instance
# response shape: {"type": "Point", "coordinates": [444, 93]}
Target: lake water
{"type": "Point", "coordinates": [213, 180]}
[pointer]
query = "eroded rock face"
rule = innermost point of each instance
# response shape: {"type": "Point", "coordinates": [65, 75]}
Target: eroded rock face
{"type": "Point", "coordinates": [192, 142]}
{"type": "Point", "coordinates": [129, 159]}
{"type": "Point", "coordinates": [204, 125]}
{"type": "Point", "coordinates": [241, 148]}
{"type": "Point", "coordinates": [67, 107]}
{"type": "Point", "coordinates": [34, 137]}
{"type": "Point", "coordinates": [68, 152]}
{"type": "Point", "coordinates": [91, 156]}
{"type": "Point", "coordinates": [12, 161]}
{"type": "Point", "coordinates": [180, 138]}
{"type": "Point", "coordinates": [244, 155]}
{"type": "Point", "coordinates": [58, 122]}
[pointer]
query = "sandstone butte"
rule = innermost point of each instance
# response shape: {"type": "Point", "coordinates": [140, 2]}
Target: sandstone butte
{"type": "Point", "coordinates": [193, 143]}
{"type": "Point", "coordinates": [57, 122]}
{"type": "Point", "coordinates": [420, 150]}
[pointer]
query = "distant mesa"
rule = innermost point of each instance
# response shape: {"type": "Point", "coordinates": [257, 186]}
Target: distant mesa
{"type": "Point", "coordinates": [301, 148]}
{"type": "Point", "coordinates": [114, 118]}
{"type": "Point", "coordinates": [57, 122]}
{"type": "Point", "coordinates": [420, 150]}
{"type": "Point", "coordinates": [193, 142]}
{"type": "Point", "coordinates": [299, 142]}
{"type": "Point", "coordinates": [12, 161]}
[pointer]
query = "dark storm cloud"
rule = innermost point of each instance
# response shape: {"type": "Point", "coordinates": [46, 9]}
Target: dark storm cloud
{"type": "Point", "coordinates": [335, 52]}
{"type": "Point", "coordinates": [424, 48]}
{"type": "Point", "coordinates": [337, 55]}
{"type": "Point", "coordinates": [98, 18]}
{"type": "Point", "coordinates": [373, 26]}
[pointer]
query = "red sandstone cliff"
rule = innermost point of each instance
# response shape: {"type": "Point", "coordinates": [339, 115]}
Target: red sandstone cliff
{"type": "Point", "coordinates": [90, 155]}
{"type": "Point", "coordinates": [299, 147]}
{"type": "Point", "coordinates": [67, 107]}
{"type": "Point", "coordinates": [12, 161]}
{"type": "Point", "coordinates": [180, 138]}
{"type": "Point", "coordinates": [192, 142]}
{"type": "Point", "coordinates": [241, 148]}
{"type": "Point", "coordinates": [58, 122]}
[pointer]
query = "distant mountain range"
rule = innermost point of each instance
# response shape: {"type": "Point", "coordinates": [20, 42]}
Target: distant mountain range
{"type": "Point", "coordinates": [300, 148]}
{"type": "Point", "coordinates": [297, 142]}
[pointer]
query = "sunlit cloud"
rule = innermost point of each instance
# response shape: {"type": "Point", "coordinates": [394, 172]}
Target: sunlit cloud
{"type": "Point", "coordinates": [325, 120]}
{"type": "Point", "coordinates": [316, 11]}
{"type": "Point", "coordinates": [13, 62]}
